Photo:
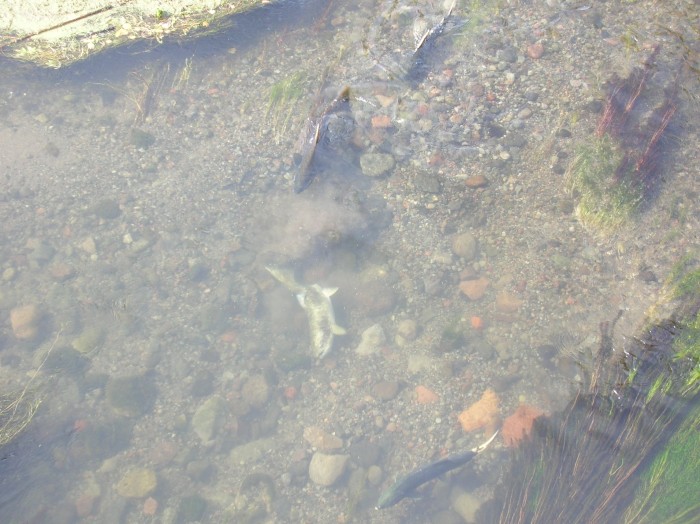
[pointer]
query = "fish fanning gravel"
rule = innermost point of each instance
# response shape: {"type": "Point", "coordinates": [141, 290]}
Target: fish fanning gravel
{"type": "Point", "coordinates": [313, 136]}
{"type": "Point", "coordinates": [316, 301]}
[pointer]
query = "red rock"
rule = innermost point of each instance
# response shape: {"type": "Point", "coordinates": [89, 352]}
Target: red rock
{"type": "Point", "coordinates": [519, 424]}
{"type": "Point", "coordinates": [381, 121]}
{"type": "Point", "coordinates": [150, 506]}
{"type": "Point", "coordinates": [25, 321]}
{"type": "Point", "coordinates": [385, 389]}
{"type": "Point", "coordinates": [468, 273]}
{"type": "Point", "coordinates": [476, 181]}
{"type": "Point", "coordinates": [84, 505]}
{"type": "Point", "coordinates": [474, 289]}
{"type": "Point", "coordinates": [425, 395]}
{"type": "Point", "coordinates": [436, 159]}
{"type": "Point", "coordinates": [477, 89]}
{"type": "Point", "coordinates": [535, 50]}
{"type": "Point", "coordinates": [321, 439]}
{"type": "Point", "coordinates": [481, 414]}
{"type": "Point", "coordinates": [507, 302]}
{"type": "Point", "coordinates": [290, 393]}
{"type": "Point", "coordinates": [61, 271]}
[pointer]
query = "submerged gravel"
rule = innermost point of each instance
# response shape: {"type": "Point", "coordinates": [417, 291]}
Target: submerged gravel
{"type": "Point", "coordinates": [140, 210]}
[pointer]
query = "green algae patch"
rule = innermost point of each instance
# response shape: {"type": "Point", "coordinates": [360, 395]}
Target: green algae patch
{"type": "Point", "coordinates": [670, 487]}
{"type": "Point", "coordinates": [605, 202]}
{"type": "Point", "coordinates": [687, 348]}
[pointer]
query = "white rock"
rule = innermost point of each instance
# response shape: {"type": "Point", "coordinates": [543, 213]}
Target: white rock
{"type": "Point", "coordinates": [372, 340]}
{"type": "Point", "coordinates": [464, 504]}
{"type": "Point", "coordinates": [207, 418]}
{"type": "Point", "coordinates": [325, 470]}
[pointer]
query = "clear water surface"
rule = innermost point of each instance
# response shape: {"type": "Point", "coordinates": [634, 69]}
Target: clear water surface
{"type": "Point", "coordinates": [145, 190]}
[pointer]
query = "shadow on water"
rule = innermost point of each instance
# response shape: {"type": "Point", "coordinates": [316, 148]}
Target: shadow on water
{"type": "Point", "coordinates": [55, 449]}
{"type": "Point", "coordinates": [240, 31]}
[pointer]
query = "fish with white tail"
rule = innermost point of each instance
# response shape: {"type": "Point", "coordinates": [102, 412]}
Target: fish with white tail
{"type": "Point", "coordinates": [316, 301]}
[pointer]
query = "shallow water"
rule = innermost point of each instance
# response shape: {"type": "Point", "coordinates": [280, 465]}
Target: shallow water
{"type": "Point", "coordinates": [145, 190]}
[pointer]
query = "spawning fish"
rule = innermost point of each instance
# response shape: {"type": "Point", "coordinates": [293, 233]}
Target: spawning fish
{"type": "Point", "coordinates": [314, 133]}
{"type": "Point", "coordinates": [316, 301]}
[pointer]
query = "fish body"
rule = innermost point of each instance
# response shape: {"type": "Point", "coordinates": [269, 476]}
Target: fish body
{"type": "Point", "coordinates": [431, 34]}
{"type": "Point", "coordinates": [313, 136]}
{"type": "Point", "coordinates": [306, 173]}
{"type": "Point", "coordinates": [286, 278]}
{"type": "Point", "coordinates": [425, 40]}
{"type": "Point", "coordinates": [406, 486]}
{"type": "Point", "coordinates": [316, 302]}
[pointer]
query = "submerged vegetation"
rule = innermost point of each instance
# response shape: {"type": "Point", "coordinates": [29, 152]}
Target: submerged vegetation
{"type": "Point", "coordinates": [615, 171]}
{"type": "Point", "coordinates": [17, 408]}
{"type": "Point", "coordinates": [604, 203]}
{"type": "Point", "coordinates": [16, 412]}
{"type": "Point", "coordinates": [627, 448]}
{"type": "Point", "coordinates": [670, 485]}
{"type": "Point", "coordinates": [282, 101]}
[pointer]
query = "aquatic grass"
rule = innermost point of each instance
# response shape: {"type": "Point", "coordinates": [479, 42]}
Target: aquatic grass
{"type": "Point", "coordinates": [17, 408]}
{"type": "Point", "coordinates": [627, 449]}
{"type": "Point", "coordinates": [687, 348]}
{"type": "Point", "coordinates": [282, 101]}
{"type": "Point", "coordinates": [477, 13]}
{"type": "Point", "coordinates": [618, 169]}
{"type": "Point", "coordinates": [182, 77]}
{"type": "Point", "coordinates": [630, 40]}
{"type": "Point", "coordinates": [668, 492]}
{"type": "Point", "coordinates": [605, 201]}
{"type": "Point", "coordinates": [687, 284]}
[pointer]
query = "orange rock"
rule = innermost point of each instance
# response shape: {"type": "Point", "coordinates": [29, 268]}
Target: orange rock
{"type": "Point", "coordinates": [519, 424]}
{"type": "Point", "coordinates": [84, 505]}
{"type": "Point", "coordinates": [229, 337]}
{"type": "Point", "coordinates": [290, 392]}
{"type": "Point", "coordinates": [150, 506]}
{"type": "Point", "coordinates": [535, 50]}
{"type": "Point", "coordinates": [61, 271]}
{"type": "Point", "coordinates": [321, 439]}
{"type": "Point", "coordinates": [474, 289]}
{"type": "Point", "coordinates": [381, 121]}
{"type": "Point", "coordinates": [507, 302]}
{"type": "Point", "coordinates": [481, 414]}
{"type": "Point", "coordinates": [385, 101]}
{"type": "Point", "coordinates": [25, 321]}
{"type": "Point", "coordinates": [476, 181]}
{"type": "Point", "coordinates": [425, 395]}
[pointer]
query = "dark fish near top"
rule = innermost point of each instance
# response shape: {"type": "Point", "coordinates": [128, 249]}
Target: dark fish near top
{"type": "Point", "coordinates": [424, 43]}
{"type": "Point", "coordinates": [408, 484]}
{"type": "Point", "coordinates": [315, 133]}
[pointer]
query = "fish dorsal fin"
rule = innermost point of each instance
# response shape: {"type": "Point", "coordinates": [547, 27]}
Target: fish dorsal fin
{"type": "Point", "coordinates": [329, 291]}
